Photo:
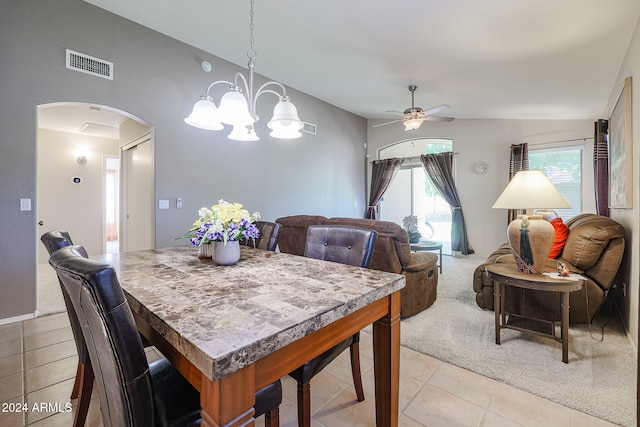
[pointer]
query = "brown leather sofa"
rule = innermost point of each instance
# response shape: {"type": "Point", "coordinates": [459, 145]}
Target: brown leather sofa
{"type": "Point", "coordinates": [594, 249]}
{"type": "Point", "coordinates": [391, 253]}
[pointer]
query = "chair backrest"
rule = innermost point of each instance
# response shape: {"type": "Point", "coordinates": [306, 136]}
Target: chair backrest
{"type": "Point", "coordinates": [268, 239]}
{"type": "Point", "coordinates": [54, 240]}
{"type": "Point", "coordinates": [115, 348]}
{"type": "Point", "coordinates": [343, 244]}
{"type": "Point", "coordinates": [392, 251]}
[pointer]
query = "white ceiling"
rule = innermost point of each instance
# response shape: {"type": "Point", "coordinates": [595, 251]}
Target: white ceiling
{"type": "Point", "coordinates": [81, 118]}
{"type": "Point", "coordinates": [489, 59]}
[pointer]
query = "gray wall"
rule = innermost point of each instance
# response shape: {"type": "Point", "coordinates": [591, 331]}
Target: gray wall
{"type": "Point", "coordinates": [156, 79]}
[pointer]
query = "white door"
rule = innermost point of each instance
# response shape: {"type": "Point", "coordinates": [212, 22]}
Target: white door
{"type": "Point", "coordinates": [138, 195]}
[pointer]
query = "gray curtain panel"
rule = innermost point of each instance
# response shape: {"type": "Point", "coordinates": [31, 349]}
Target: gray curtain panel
{"type": "Point", "coordinates": [601, 166]}
{"type": "Point", "coordinates": [439, 168]}
{"type": "Point", "coordinates": [382, 172]}
{"type": "Point", "coordinates": [519, 161]}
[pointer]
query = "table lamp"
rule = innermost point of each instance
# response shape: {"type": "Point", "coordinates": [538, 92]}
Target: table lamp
{"type": "Point", "coordinates": [530, 236]}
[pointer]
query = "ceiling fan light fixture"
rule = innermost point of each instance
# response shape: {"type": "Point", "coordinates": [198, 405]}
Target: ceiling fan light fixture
{"type": "Point", "coordinates": [414, 116]}
{"type": "Point", "coordinates": [412, 124]}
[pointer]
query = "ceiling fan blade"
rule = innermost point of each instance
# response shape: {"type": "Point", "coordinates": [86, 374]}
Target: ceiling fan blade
{"type": "Point", "coordinates": [394, 111]}
{"type": "Point", "coordinates": [437, 109]}
{"type": "Point", "coordinates": [438, 119]}
{"type": "Point", "coordinates": [387, 123]}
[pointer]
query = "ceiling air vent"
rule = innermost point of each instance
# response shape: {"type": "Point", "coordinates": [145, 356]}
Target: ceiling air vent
{"type": "Point", "coordinates": [90, 65]}
{"type": "Point", "coordinates": [309, 128]}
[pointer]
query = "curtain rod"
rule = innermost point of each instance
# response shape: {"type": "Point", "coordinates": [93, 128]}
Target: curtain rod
{"type": "Point", "coordinates": [563, 140]}
{"type": "Point", "coordinates": [409, 158]}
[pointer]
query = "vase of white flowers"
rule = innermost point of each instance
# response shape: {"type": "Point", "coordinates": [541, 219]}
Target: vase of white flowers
{"type": "Point", "coordinates": [218, 229]}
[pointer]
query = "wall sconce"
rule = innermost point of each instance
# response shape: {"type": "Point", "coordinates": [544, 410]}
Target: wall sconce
{"type": "Point", "coordinates": [82, 160]}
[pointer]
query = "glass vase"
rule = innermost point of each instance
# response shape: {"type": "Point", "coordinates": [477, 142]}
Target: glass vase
{"type": "Point", "coordinates": [205, 251]}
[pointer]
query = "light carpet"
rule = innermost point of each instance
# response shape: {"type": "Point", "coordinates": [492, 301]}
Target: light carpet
{"type": "Point", "coordinates": [600, 378]}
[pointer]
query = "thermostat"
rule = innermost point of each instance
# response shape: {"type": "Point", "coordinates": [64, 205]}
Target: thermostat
{"type": "Point", "coordinates": [76, 180]}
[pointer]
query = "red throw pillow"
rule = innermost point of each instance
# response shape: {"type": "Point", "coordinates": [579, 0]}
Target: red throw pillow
{"type": "Point", "coordinates": [562, 232]}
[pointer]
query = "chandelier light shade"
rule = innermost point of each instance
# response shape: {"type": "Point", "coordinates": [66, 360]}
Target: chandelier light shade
{"type": "Point", "coordinates": [530, 236]}
{"type": "Point", "coordinates": [241, 132]}
{"type": "Point", "coordinates": [204, 115]}
{"type": "Point", "coordinates": [285, 123]}
{"type": "Point", "coordinates": [238, 106]}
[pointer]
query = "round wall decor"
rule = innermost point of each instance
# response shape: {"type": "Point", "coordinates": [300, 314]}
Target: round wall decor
{"type": "Point", "coordinates": [481, 167]}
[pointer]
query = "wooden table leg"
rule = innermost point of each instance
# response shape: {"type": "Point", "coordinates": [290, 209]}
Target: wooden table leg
{"type": "Point", "coordinates": [386, 364]}
{"type": "Point", "coordinates": [497, 294]}
{"type": "Point", "coordinates": [564, 329]}
{"type": "Point", "coordinates": [229, 401]}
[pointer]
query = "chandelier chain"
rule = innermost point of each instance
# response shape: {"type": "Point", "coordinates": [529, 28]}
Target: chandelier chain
{"type": "Point", "coordinates": [251, 53]}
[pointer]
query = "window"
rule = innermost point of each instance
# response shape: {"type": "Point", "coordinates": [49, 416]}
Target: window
{"type": "Point", "coordinates": [563, 167]}
{"type": "Point", "coordinates": [412, 193]}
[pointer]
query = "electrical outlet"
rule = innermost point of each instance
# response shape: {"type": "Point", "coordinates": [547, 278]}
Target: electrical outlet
{"type": "Point", "coordinates": [179, 203]}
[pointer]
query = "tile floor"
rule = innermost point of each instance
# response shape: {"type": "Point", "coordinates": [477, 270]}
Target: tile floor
{"type": "Point", "coordinates": [38, 362]}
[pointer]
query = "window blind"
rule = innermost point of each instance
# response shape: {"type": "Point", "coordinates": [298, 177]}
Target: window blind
{"type": "Point", "coordinates": [563, 167]}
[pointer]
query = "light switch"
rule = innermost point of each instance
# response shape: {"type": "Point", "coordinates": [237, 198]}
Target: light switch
{"type": "Point", "coordinates": [163, 204]}
{"type": "Point", "coordinates": [25, 204]}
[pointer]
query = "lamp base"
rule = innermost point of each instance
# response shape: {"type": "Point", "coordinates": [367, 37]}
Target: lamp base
{"type": "Point", "coordinates": [531, 238]}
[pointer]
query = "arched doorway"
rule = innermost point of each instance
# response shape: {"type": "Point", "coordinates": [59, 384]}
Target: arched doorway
{"type": "Point", "coordinates": [78, 185]}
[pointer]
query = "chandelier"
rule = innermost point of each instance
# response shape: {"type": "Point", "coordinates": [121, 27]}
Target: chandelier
{"type": "Point", "coordinates": [238, 105]}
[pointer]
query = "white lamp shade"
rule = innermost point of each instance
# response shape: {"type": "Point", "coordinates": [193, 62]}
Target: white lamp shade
{"type": "Point", "coordinates": [285, 117]}
{"type": "Point", "coordinates": [242, 132]}
{"type": "Point", "coordinates": [233, 108]}
{"type": "Point", "coordinates": [412, 124]}
{"type": "Point", "coordinates": [204, 115]}
{"type": "Point", "coordinates": [530, 190]}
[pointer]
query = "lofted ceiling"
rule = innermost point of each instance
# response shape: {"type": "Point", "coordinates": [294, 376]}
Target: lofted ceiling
{"type": "Point", "coordinates": [489, 59]}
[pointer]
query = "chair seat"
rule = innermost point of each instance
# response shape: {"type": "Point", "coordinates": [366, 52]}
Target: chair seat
{"type": "Point", "coordinates": [307, 371]}
{"type": "Point", "coordinates": [177, 402]}
{"type": "Point", "coordinates": [268, 398]}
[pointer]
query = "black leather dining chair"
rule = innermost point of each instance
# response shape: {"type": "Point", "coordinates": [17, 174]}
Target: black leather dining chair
{"type": "Point", "coordinates": [268, 239]}
{"type": "Point", "coordinates": [132, 391]}
{"type": "Point", "coordinates": [54, 240]}
{"type": "Point", "coordinates": [346, 245]}
{"type": "Point", "coordinates": [83, 384]}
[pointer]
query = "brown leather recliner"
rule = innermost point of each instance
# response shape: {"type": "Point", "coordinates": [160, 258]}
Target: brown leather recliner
{"type": "Point", "coordinates": [594, 249]}
{"type": "Point", "coordinates": [392, 253]}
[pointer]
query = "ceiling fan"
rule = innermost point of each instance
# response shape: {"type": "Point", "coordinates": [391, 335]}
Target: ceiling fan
{"type": "Point", "coordinates": [414, 116]}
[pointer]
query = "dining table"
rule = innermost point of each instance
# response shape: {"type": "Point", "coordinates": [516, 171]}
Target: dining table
{"type": "Point", "coordinates": [232, 330]}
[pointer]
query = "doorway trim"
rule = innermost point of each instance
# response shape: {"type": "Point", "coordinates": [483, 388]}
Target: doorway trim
{"type": "Point", "coordinates": [124, 174]}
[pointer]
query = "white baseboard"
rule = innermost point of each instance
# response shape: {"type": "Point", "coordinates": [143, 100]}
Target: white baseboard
{"type": "Point", "coordinates": [19, 318]}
